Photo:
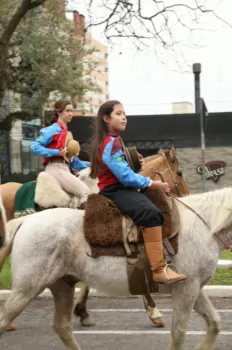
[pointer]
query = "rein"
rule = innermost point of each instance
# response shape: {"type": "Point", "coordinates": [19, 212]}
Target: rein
{"type": "Point", "coordinates": [172, 176]}
{"type": "Point", "coordinates": [174, 196]}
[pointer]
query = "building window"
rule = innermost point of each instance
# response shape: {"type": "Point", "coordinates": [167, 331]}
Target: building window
{"type": "Point", "coordinates": [29, 132]}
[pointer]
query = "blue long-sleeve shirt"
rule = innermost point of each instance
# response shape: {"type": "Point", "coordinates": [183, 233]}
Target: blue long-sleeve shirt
{"type": "Point", "coordinates": [116, 169]}
{"type": "Point", "coordinates": [50, 135]}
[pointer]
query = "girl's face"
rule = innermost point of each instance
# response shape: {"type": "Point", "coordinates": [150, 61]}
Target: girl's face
{"type": "Point", "coordinates": [117, 120]}
{"type": "Point", "coordinates": [66, 115]}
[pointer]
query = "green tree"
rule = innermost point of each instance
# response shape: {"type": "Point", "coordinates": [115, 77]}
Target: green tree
{"type": "Point", "coordinates": [47, 55]}
{"type": "Point", "coordinates": [11, 14]}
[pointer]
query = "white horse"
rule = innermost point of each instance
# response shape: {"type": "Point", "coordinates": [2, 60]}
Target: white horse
{"type": "Point", "coordinates": [50, 245]}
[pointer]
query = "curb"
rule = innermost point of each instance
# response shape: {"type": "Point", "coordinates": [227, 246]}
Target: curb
{"type": "Point", "coordinates": [212, 291]}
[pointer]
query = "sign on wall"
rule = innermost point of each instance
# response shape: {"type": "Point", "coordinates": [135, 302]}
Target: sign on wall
{"type": "Point", "coordinates": [213, 170]}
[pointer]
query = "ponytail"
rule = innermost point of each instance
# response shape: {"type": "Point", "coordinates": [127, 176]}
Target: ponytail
{"type": "Point", "coordinates": [58, 107]}
{"type": "Point", "coordinates": [54, 117]}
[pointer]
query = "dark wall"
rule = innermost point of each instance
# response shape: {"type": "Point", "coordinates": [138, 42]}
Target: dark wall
{"type": "Point", "coordinates": [21, 178]}
{"type": "Point", "coordinates": [183, 130]}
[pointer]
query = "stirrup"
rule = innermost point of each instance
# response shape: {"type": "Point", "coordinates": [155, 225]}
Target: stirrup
{"type": "Point", "coordinates": [166, 279]}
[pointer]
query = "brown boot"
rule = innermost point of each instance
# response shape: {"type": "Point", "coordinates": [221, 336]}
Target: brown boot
{"type": "Point", "coordinates": [162, 273]}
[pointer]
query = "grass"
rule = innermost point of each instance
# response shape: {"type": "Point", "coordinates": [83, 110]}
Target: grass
{"type": "Point", "coordinates": [5, 276]}
{"type": "Point", "coordinates": [222, 277]}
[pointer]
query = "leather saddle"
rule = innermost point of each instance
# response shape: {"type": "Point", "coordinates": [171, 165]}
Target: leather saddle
{"type": "Point", "coordinates": [108, 232]}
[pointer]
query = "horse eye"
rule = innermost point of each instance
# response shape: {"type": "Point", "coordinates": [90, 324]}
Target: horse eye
{"type": "Point", "coordinates": [179, 173]}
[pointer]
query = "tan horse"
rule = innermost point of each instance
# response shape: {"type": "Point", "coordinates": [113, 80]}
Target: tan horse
{"type": "Point", "coordinates": [165, 162]}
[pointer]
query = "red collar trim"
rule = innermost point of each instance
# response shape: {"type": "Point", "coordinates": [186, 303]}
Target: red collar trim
{"type": "Point", "coordinates": [61, 125]}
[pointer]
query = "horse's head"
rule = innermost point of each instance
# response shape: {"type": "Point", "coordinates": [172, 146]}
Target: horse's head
{"type": "Point", "coordinates": [167, 164]}
{"type": "Point", "coordinates": [90, 183]}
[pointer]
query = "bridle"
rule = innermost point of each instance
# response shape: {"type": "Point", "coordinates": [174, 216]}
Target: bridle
{"type": "Point", "coordinates": [177, 186]}
{"type": "Point", "coordinates": [155, 171]}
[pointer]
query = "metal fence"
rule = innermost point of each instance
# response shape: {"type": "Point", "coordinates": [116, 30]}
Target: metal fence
{"type": "Point", "coordinates": [16, 157]}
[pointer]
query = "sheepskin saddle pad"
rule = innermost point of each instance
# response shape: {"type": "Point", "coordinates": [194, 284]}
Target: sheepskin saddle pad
{"type": "Point", "coordinates": [49, 194]}
{"type": "Point", "coordinates": [108, 232]}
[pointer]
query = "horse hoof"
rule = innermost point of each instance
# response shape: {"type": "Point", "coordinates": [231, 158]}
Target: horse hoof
{"type": "Point", "coordinates": [11, 328]}
{"type": "Point", "coordinates": [159, 322]}
{"type": "Point", "coordinates": [87, 322]}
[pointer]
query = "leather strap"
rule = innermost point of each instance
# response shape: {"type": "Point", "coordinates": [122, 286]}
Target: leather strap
{"type": "Point", "coordinates": [176, 198]}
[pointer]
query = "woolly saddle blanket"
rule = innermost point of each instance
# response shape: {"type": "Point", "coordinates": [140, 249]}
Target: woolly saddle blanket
{"type": "Point", "coordinates": [44, 193]}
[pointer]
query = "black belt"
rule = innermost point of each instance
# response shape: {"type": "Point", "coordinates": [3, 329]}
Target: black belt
{"type": "Point", "coordinates": [63, 161]}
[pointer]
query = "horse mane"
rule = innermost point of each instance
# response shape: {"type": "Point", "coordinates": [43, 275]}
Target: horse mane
{"type": "Point", "coordinates": [214, 206]}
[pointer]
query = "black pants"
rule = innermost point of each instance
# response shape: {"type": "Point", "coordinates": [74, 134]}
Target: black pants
{"type": "Point", "coordinates": [134, 204]}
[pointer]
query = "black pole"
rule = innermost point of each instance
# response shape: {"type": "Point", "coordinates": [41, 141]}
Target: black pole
{"type": "Point", "coordinates": [8, 157]}
{"type": "Point", "coordinates": [197, 72]}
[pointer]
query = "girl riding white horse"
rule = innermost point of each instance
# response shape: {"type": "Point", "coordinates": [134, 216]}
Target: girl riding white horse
{"type": "Point", "coordinates": [51, 245]}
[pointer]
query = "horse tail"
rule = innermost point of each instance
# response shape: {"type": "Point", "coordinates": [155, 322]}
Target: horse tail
{"type": "Point", "coordinates": [5, 239]}
{"type": "Point", "coordinates": [12, 227]}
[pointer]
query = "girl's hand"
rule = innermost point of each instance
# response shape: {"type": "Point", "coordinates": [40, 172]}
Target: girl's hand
{"type": "Point", "coordinates": [63, 152]}
{"type": "Point", "coordinates": [162, 185]}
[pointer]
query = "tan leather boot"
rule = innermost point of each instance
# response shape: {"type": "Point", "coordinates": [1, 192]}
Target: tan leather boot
{"type": "Point", "coordinates": [162, 273]}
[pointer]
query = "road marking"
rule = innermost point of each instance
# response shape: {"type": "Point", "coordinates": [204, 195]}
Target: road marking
{"type": "Point", "coordinates": [127, 332]}
{"type": "Point", "coordinates": [143, 310]}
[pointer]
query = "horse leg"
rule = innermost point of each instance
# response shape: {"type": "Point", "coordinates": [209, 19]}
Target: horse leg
{"type": "Point", "coordinates": [81, 310]}
{"type": "Point", "coordinates": [184, 296]}
{"type": "Point", "coordinates": [204, 308]}
{"type": "Point", "coordinates": [153, 312]}
{"type": "Point", "coordinates": [63, 295]}
{"type": "Point", "coordinates": [15, 304]}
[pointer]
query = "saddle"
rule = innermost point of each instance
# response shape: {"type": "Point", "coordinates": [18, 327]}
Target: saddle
{"type": "Point", "coordinates": [49, 194]}
{"type": "Point", "coordinates": [110, 233]}
{"type": "Point", "coordinates": [42, 194]}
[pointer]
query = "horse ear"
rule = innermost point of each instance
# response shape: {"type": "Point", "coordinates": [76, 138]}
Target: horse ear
{"type": "Point", "coordinates": [172, 154]}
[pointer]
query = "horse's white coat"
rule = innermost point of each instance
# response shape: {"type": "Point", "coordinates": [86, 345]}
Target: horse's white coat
{"type": "Point", "coordinates": [50, 245]}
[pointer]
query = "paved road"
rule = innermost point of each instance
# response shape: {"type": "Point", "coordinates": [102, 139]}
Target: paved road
{"type": "Point", "coordinates": [125, 326]}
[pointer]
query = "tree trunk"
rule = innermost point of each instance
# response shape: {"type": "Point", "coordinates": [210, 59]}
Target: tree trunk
{"type": "Point", "coordinates": [26, 5]}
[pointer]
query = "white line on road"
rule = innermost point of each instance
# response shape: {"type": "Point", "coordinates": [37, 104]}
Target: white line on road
{"type": "Point", "coordinates": [143, 310]}
{"type": "Point", "coordinates": [122, 332]}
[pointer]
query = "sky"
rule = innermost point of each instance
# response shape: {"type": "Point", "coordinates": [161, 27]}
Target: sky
{"type": "Point", "coordinates": [147, 86]}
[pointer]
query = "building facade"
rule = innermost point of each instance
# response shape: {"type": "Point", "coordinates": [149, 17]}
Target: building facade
{"type": "Point", "coordinates": [96, 69]}
{"type": "Point", "coordinates": [182, 131]}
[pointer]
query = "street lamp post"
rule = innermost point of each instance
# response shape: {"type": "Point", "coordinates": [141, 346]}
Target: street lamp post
{"type": "Point", "coordinates": [200, 109]}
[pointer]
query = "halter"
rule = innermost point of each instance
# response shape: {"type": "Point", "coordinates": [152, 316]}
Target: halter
{"type": "Point", "coordinates": [155, 171]}
{"type": "Point", "coordinates": [174, 196]}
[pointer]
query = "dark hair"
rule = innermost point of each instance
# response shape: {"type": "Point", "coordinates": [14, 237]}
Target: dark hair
{"type": "Point", "coordinates": [100, 130]}
{"type": "Point", "coordinates": [59, 106]}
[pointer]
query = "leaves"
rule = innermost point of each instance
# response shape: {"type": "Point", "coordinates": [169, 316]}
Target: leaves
{"type": "Point", "coordinates": [47, 54]}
